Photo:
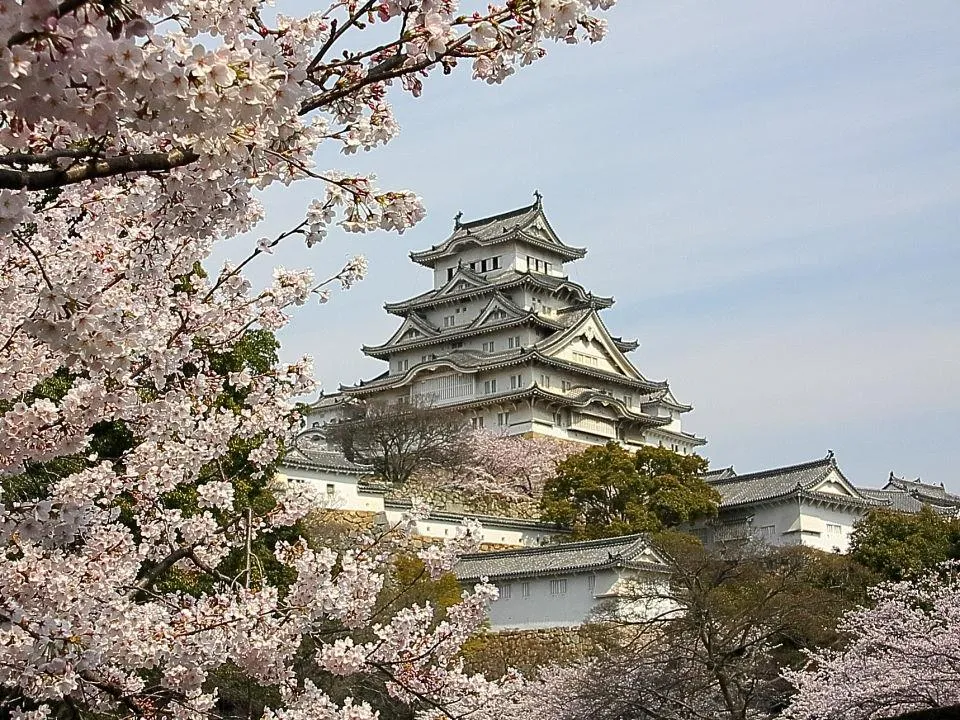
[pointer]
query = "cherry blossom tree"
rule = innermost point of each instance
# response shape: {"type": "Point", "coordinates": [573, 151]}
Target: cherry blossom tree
{"type": "Point", "coordinates": [134, 134]}
{"type": "Point", "coordinates": [903, 655]}
{"type": "Point", "coordinates": [512, 466]}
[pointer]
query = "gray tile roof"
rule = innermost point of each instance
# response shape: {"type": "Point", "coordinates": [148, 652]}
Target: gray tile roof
{"type": "Point", "coordinates": [629, 550]}
{"type": "Point", "coordinates": [920, 489]}
{"type": "Point", "coordinates": [911, 495]}
{"type": "Point", "coordinates": [781, 482]}
{"type": "Point", "coordinates": [894, 499]}
{"type": "Point", "coordinates": [528, 221]}
{"type": "Point", "coordinates": [720, 474]}
{"type": "Point", "coordinates": [309, 451]}
{"type": "Point", "coordinates": [503, 280]}
{"type": "Point", "coordinates": [486, 520]}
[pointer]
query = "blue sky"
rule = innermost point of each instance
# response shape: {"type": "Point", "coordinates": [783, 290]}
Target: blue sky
{"type": "Point", "coordinates": [770, 190]}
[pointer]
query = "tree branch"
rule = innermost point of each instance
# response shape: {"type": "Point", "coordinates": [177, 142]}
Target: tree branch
{"type": "Point", "coordinates": [157, 570]}
{"type": "Point", "coordinates": [95, 168]}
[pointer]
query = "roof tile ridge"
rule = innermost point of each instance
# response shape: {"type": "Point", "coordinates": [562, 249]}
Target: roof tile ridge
{"type": "Point", "coordinates": [498, 216]}
{"type": "Point", "coordinates": [780, 470]}
{"type": "Point", "coordinates": [557, 547]}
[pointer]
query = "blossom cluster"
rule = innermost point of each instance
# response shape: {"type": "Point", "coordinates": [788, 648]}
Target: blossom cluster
{"type": "Point", "coordinates": [903, 655]}
{"type": "Point", "coordinates": [133, 136]}
{"type": "Point", "coordinates": [512, 466]}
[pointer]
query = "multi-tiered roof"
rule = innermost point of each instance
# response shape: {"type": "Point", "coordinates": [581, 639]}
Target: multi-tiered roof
{"type": "Point", "coordinates": [504, 327]}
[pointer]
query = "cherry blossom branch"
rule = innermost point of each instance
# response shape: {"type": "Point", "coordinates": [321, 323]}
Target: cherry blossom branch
{"type": "Point", "coordinates": [95, 169]}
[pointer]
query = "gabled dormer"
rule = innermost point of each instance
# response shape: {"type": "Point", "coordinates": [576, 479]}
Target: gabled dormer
{"type": "Point", "coordinates": [589, 344]}
{"type": "Point", "coordinates": [461, 280]}
{"type": "Point", "coordinates": [413, 329]}
{"type": "Point", "coordinates": [499, 310]}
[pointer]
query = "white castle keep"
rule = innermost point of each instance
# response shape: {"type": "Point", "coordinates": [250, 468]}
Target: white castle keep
{"type": "Point", "coordinates": [508, 339]}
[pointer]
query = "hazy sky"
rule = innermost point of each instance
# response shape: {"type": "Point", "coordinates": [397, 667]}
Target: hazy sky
{"type": "Point", "coordinates": [770, 190]}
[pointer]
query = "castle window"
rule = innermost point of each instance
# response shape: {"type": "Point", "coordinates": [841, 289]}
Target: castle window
{"type": "Point", "coordinates": [584, 359]}
{"type": "Point", "coordinates": [477, 422]}
{"type": "Point", "coordinates": [489, 386]}
{"type": "Point", "coordinates": [490, 264]}
{"type": "Point", "coordinates": [516, 381]}
{"type": "Point", "coordinates": [545, 381]}
{"type": "Point", "coordinates": [330, 489]}
{"type": "Point", "coordinates": [558, 587]}
{"type": "Point", "coordinates": [489, 346]}
{"type": "Point", "coordinates": [565, 385]}
{"type": "Point", "coordinates": [450, 272]}
{"type": "Point", "coordinates": [449, 320]}
{"type": "Point", "coordinates": [766, 533]}
{"type": "Point", "coordinates": [513, 342]}
{"type": "Point", "coordinates": [628, 400]}
{"type": "Point", "coordinates": [591, 584]}
{"type": "Point", "coordinates": [506, 591]}
{"type": "Point", "coordinates": [525, 589]}
{"type": "Point", "coordinates": [403, 365]}
{"type": "Point", "coordinates": [503, 419]}
{"type": "Point", "coordinates": [558, 419]}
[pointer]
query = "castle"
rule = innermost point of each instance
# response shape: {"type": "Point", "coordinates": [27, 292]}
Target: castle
{"type": "Point", "coordinates": [508, 339]}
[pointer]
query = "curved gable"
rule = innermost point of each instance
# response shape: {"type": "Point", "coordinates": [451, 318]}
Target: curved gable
{"type": "Point", "coordinates": [498, 310]}
{"type": "Point", "coordinates": [588, 343]}
{"type": "Point", "coordinates": [413, 328]}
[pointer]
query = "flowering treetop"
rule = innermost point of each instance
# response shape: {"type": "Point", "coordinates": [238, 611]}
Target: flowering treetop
{"type": "Point", "coordinates": [133, 135]}
{"type": "Point", "coordinates": [903, 655]}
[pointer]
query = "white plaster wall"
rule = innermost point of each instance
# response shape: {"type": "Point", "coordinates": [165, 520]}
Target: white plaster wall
{"type": "Point", "coordinates": [683, 445]}
{"type": "Point", "coordinates": [799, 523]}
{"type": "Point", "coordinates": [643, 595]}
{"type": "Point", "coordinates": [784, 517]}
{"type": "Point", "coordinates": [468, 255]}
{"type": "Point", "coordinates": [614, 594]}
{"type": "Point", "coordinates": [345, 496]}
{"type": "Point", "coordinates": [543, 610]}
{"type": "Point", "coordinates": [816, 533]}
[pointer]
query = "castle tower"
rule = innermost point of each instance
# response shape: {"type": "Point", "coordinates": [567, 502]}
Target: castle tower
{"type": "Point", "coordinates": [508, 339]}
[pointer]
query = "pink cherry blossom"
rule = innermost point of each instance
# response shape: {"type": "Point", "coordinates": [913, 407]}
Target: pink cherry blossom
{"type": "Point", "coordinates": [135, 136]}
{"type": "Point", "coordinates": [903, 655]}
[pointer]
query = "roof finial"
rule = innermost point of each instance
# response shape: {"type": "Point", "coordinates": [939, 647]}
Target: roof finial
{"type": "Point", "coordinates": [829, 454]}
{"type": "Point", "coordinates": [457, 218]}
{"type": "Point", "coordinates": [538, 196]}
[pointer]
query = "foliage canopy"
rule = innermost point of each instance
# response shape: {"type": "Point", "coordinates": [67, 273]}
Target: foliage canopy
{"type": "Point", "coordinates": [606, 491]}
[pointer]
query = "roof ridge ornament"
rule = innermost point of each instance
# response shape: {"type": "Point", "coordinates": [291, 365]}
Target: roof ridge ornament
{"type": "Point", "coordinates": [456, 219]}
{"type": "Point", "coordinates": [538, 198]}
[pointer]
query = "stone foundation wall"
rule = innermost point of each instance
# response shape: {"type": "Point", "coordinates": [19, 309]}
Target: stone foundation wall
{"type": "Point", "coordinates": [492, 653]}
